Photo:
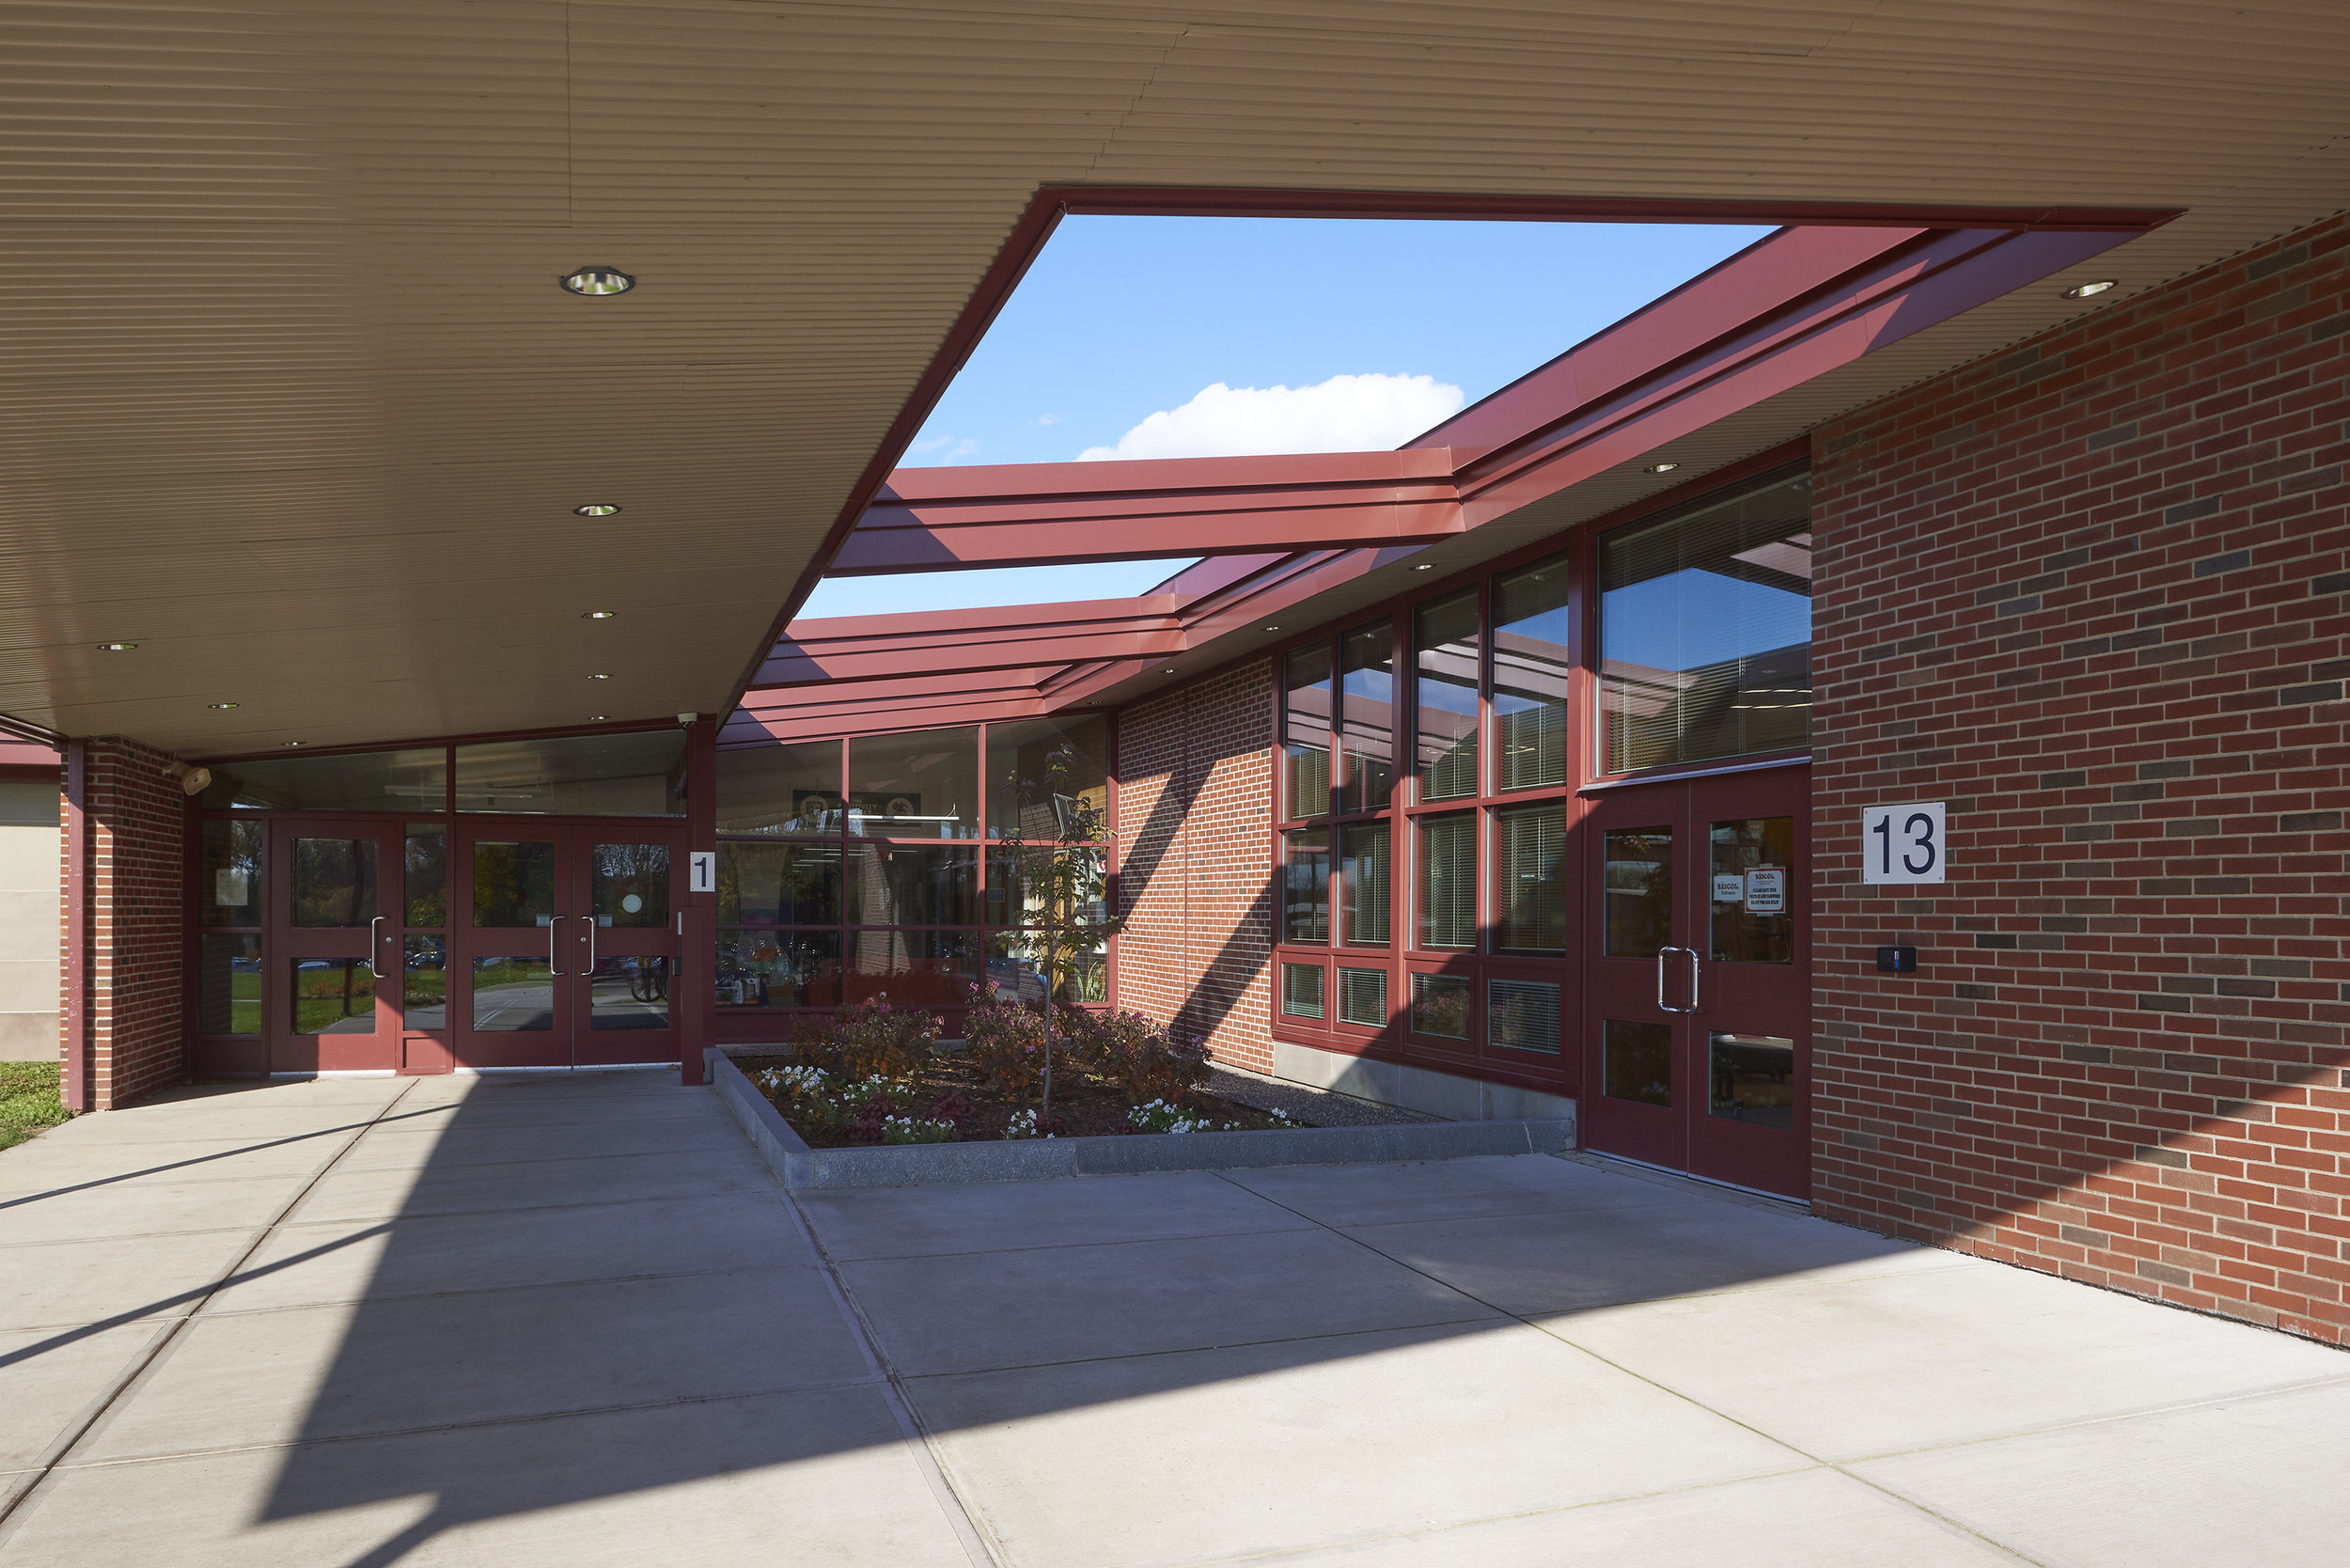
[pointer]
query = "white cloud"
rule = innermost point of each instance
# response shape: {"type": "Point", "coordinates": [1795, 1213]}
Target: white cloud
{"type": "Point", "coordinates": [1345, 414]}
{"type": "Point", "coordinates": [941, 449]}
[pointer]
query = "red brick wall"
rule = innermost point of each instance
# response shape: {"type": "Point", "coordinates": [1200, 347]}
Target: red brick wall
{"type": "Point", "coordinates": [137, 853]}
{"type": "Point", "coordinates": [1195, 801]}
{"type": "Point", "coordinates": [2090, 593]}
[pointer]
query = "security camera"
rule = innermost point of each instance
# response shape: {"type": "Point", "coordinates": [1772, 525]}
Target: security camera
{"type": "Point", "coordinates": [194, 781]}
{"type": "Point", "coordinates": [686, 721]}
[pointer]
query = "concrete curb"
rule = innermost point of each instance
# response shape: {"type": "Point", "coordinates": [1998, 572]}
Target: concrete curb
{"type": "Point", "coordinates": [1043, 1159]}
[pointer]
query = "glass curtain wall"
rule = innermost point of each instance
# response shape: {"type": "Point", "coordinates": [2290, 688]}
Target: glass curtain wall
{"type": "Point", "coordinates": [1427, 869]}
{"type": "Point", "coordinates": [900, 866]}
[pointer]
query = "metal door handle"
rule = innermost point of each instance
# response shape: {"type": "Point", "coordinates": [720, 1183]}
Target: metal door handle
{"type": "Point", "coordinates": [374, 938]}
{"type": "Point", "coordinates": [553, 922]}
{"type": "Point", "coordinates": [1663, 1005]}
{"type": "Point", "coordinates": [590, 970]}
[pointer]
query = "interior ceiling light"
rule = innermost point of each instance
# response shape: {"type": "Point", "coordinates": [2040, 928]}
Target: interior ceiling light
{"type": "Point", "coordinates": [116, 646]}
{"type": "Point", "coordinates": [1660, 467]}
{"type": "Point", "coordinates": [2087, 290]}
{"type": "Point", "coordinates": [593, 281]}
{"type": "Point", "coordinates": [599, 615]}
{"type": "Point", "coordinates": [220, 707]}
{"type": "Point", "coordinates": [595, 509]}
{"type": "Point", "coordinates": [599, 678]}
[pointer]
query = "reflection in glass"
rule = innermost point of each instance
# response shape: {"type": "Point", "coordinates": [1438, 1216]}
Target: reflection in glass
{"type": "Point", "coordinates": [1531, 846]}
{"type": "Point", "coordinates": [628, 886]}
{"type": "Point", "coordinates": [783, 884]}
{"type": "Point", "coordinates": [1753, 1079]}
{"type": "Point", "coordinates": [923, 785]}
{"type": "Point", "coordinates": [1367, 713]}
{"type": "Point", "coordinates": [334, 882]}
{"type": "Point", "coordinates": [1639, 887]}
{"type": "Point", "coordinates": [1440, 1006]}
{"type": "Point", "coordinates": [1013, 894]}
{"type": "Point", "coordinates": [1705, 631]}
{"type": "Point", "coordinates": [1448, 881]}
{"type": "Point", "coordinates": [1306, 730]}
{"type": "Point", "coordinates": [1306, 885]}
{"type": "Point", "coordinates": [627, 991]}
{"type": "Point", "coordinates": [333, 995]}
{"type": "Point", "coordinates": [638, 774]}
{"type": "Point", "coordinates": [1012, 969]}
{"type": "Point", "coordinates": [1754, 890]}
{"type": "Point", "coordinates": [919, 968]}
{"type": "Point", "coordinates": [426, 881]}
{"type": "Point", "coordinates": [778, 968]}
{"type": "Point", "coordinates": [912, 884]}
{"type": "Point", "coordinates": [514, 882]}
{"type": "Point", "coordinates": [1445, 705]}
{"type": "Point", "coordinates": [1532, 660]}
{"type": "Point", "coordinates": [228, 984]}
{"type": "Point", "coordinates": [228, 874]}
{"type": "Point", "coordinates": [1301, 990]}
{"type": "Point", "coordinates": [513, 995]}
{"type": "Point", "coordinates": [1522, 1015]}
{"type": "Point", "coordinates": [391, 782]}
{"type": "Point", "coordinates": [1363, 997]}
{"type": "Point", "coordinates": [1638, 1062]}
{"type": "Point", "coordinates": [1365, 882]}
{"type": "Point", "coordinates": [780, 789]}
{"type": "Point", "coordinates": [1041, 773]}
{"type": "Point", "coordinates": [425, 962]}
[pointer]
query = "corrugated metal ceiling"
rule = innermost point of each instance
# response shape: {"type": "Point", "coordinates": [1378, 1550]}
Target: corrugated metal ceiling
{"type": "Point", "coordinates": [290, 400]}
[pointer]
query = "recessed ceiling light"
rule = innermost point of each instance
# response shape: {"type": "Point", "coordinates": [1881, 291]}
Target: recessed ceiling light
{"type": "Point", "coordinates": [116, 646]}
{"type": "Point", "coordinates": [595, 718]}
{"type": "Point", "coordinates": [599, 280]}
{"type": "Point", "coordinates": [1425, 566]}
{"type": "Point", "coordinates": [1273, 628]}
{"type": "Point", "coordinates": [220, 707]}
{"type": "Point", "coordinates": [1166, 672]}
{"type": "Point", "coordinates": [595, 509]}
{"type": "Point", "coordinates": [2085, 290]}
{"type": "Point", "coordinates": [599, 615]}
{"type": "Point", "coordinates": [599, 678]}
{"type": "Point", "coordinates": [1660, 467]}
{"type": "Point", "coordinates": [293, 743]}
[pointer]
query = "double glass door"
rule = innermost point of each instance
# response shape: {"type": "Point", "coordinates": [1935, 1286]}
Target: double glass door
{"type": "Point", "coordinates": [562, 944]}
{"type": "Point", "coordinates": [1698, 1041]}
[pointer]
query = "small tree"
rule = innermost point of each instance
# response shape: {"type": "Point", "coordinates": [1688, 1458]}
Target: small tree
{"type": "Point", "coordinates": [1062, 884]}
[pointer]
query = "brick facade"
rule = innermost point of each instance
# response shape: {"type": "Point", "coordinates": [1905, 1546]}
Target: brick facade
{"type": "Point", "coordinates": [2090, 593]}
{"type": "Point", "coordinates": [135, 921]}
{"type": "Point", "coordinates": [1194, 806]}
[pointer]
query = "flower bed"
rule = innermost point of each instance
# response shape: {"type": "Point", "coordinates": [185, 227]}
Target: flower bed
{"type": "Point", "coordinates": [874, 1075]}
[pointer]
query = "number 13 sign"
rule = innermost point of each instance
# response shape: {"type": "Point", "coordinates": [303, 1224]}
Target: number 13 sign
{"type": "Point", "coordinates": [1902, 843]}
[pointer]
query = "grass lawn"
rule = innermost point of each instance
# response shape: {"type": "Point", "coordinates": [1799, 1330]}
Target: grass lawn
{"type": "Point", "coordinates": [28, 1100]}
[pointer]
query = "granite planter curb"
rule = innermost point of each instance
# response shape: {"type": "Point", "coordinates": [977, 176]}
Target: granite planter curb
{"type": "Point", "coordinates": [909, 1164]}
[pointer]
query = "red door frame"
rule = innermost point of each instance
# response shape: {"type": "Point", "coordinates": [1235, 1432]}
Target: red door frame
{"type": "Point", "coordinates": [1750, 998]}
{"type": "Point", "coordinates": [372, 1050]}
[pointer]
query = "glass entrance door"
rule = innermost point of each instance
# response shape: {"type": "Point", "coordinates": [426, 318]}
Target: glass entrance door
{"type": "Point", "coordinates": [1697, 1037]}
{"type": "Point", "coordinates": [333, 1003]}
{"type": "Point", "coordinates": [563, 943]}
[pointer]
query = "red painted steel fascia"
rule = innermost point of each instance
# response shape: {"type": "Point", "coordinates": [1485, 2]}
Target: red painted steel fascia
{"type": "Point", "coordinates": [854, 663]}
{"type": "Point", "coordinates": [983, 685]}
{"type": "Point", "coordinates": [76, 997]}
{"type": "Point", "coordinates": [998, 618]}
{"type": "Point", "coordinates": [745, 729]}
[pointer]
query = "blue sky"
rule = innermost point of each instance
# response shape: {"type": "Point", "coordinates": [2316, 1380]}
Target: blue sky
{"type": "Point", "coordinates": [1162, 336]}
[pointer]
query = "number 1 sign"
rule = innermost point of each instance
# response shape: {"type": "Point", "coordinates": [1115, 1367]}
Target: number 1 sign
{"type": "Point", "coordinates": [1902, 843]}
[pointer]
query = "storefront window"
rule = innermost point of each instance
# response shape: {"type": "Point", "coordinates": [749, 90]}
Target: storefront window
{"type": "Point", "coordinates": [1306, 731]}
{"type": "Point", "coordinates": [1445, 701]}
{"type": "Point", "coordinates": [1367, 714]}
{"type": "Point", "coordinates": [780, 789]}
{"type": "Point", "coordinates": [1705, 631]}
{"type": "Point", "coordinates": [1532, 666]}
{"type": "Point", "coordinates": [921, 785]}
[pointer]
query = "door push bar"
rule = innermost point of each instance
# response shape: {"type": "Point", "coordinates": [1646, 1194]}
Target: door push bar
{"type": "Point", "coordinates": [1663, 1005]}
{"type": "Point", "coordinates": [375, 940]}
{"type": "Point", "coordinates": [552, 922]}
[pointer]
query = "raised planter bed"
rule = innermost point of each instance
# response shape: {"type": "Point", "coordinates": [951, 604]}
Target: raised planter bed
{"type": "Point", "coordinates": [1041, 1159]}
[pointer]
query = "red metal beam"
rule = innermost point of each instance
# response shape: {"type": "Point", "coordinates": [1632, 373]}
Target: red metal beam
{"type": "Point", "coordinates": [931, 519]}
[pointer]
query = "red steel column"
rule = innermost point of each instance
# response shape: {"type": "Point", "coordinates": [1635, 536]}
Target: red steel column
{"type": "Point", "coordinates": [697, 946]}
{"type": "Point", "coordinates": [74, 1001]}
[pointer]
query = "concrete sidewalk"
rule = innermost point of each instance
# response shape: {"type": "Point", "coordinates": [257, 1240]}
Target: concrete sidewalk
{"type": "Point", "coordinates": [574, 1321]}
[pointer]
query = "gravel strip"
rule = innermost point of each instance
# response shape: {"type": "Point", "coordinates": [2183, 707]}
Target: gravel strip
{"type": "Point", "coordinates": [1315, 1107]}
